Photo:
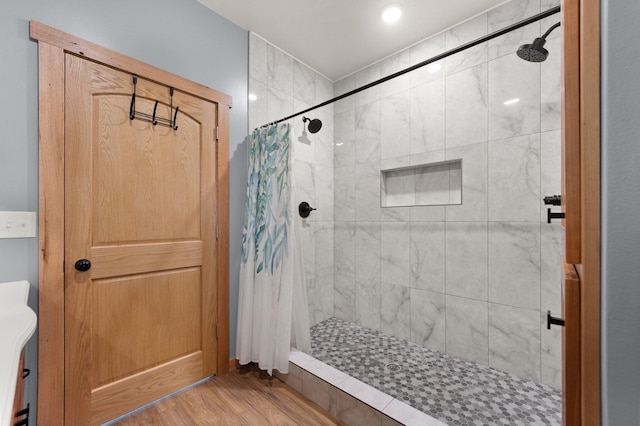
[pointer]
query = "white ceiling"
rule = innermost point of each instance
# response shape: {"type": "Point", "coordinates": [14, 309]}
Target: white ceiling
{"type": "Point", "coordinates": [339, 37]}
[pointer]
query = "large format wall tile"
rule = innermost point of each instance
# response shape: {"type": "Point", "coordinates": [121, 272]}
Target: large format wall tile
{"type": "Point", "coordinates": [428, 256]}
{"type": "Point", "coordinates": [474, 183]}
{"type": "Point", "coordinates": [466, 107]}
{"type": "Point", "coordinates": [280, 70]}
{"type": "Point", "coordinates": [258, 49]}
{"type": "Point", "coordinates": [464, 33]}
{"type": "Point", "coordinates": [368, 192]}
{"type": "Point", "coordinates": [258, 107]}
{"type": "Point", "coordinates": [514, 179]}
{"type": "Point", "coordinates": [428, 319]}
{"type": "Point", "coordinates": [393, 64]}
{"type": "Point", "coordinates": [307, 238]}
{"type": "Point", "coordinates": [324, 240]}
{"type": "Point", "coordinates": [466, 259]}
{"type": "Point", "coordinates": [364, 77]}
{"type": "Point", "coordinates": [467, 330]}
{"type": "Point", "coordinates": [426, 50]}
{"type": "Point", "coordinates": [507, 14]}
{"type": "Point", "coordinates": [324, 142]}
{"type": "Point", "coordinates": [396, 310]}
{"type": "Point", "coordinates": [324, 194]}
{"type": "Point", "coordinates": [550, 168]}
{"type": "Point", "coordinates": [341, 87]}
{"type": "Point", "coordinates": [428, 117]}
{"type": "Point", "coordinates": [279, 104]}
{"type": "Point", "coordinates": [344, 197]}
{"type": "Point", "coordinates": [368, 251]}
{"type": "Point", "coordinates": [344, 302]}
{"type": "Point", "coordinates": [325, 293]}
{"type": "Point", "coordinates": [551, 86]}
{"type": "Point", "coordinates": [345, 248]}
{"type": "Point", "coordinates": [324, 92]}
{"type": "Point", "coordinates": [344, 150]}
{"type": "Point", "coordinates": [367, 133]}
{"type": "Point", "coordinates": [304, 83]}
{"type": "Point", "coordinates": [514, 97]}
{"type": "Point", "coordinates": [394, 253]}
{"type": "Point", "coordinates": [514, 264]}
{"type": "Point", "coordinates": [514, 340]}
{"type": "Point", "coordinates": [395, 134]}
{"type": "Point", "coordinates": [368, 300]}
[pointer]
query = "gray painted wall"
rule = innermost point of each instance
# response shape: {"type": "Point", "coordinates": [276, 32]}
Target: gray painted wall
{"type": "Point", "coordinates": [620, 212]}
{"type": "Point", "coordinates": [182, 37]}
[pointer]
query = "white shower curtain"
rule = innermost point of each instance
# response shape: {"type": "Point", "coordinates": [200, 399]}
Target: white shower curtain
{"type": "Point", "coordinates": [272, 309]}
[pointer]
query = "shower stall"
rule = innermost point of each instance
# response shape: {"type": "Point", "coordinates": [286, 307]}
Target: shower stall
{"type": "Point", "coordinates": [430, 232]}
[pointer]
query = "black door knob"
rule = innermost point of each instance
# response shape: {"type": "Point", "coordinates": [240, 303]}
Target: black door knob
{"type": "Point", "coordinates": [83, 265]}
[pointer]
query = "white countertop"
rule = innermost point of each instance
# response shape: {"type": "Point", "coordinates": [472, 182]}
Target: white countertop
{"type": "Point", "coordinates": [17, 324]}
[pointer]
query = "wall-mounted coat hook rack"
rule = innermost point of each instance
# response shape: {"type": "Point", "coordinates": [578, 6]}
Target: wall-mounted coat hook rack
{"type": "Point", "coordinates": [152, 118]}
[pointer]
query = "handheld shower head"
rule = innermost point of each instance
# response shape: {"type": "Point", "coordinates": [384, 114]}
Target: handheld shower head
{"type": "Point", "coordinates": [535, 52]}
{"type": "Point", "coordinates": [314, 125]}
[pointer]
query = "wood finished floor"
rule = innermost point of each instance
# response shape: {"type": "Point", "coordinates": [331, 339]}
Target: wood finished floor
{"type": "Point", "coordinates": [239, 398]}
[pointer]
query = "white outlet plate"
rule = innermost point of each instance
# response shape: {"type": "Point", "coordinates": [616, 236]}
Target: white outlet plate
{"type": "Point", "coordinates": [17, 224]}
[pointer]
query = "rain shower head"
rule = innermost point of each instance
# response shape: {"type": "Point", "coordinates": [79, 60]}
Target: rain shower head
{"type": "Point", "coordinates": [535, 52]}
{"type": "Point", "coordinates": [314, 125]}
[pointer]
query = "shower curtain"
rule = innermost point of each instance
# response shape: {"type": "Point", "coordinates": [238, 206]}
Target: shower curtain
{"type": "Point", "coordinates": [272, 310]}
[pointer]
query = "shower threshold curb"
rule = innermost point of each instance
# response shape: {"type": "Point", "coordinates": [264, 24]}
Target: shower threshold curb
{"type": "Point", "coordinates": [346, 397]}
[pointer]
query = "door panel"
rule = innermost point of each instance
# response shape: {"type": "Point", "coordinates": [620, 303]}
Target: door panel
{"type": "Point", "coordinates": [144, 320]}
{"type": "Point", "coordinates": [161, 173]}
{"type": "Point", "coordinates": [140, 204]}
{"type": "Point", "coordinates": [570, 346]}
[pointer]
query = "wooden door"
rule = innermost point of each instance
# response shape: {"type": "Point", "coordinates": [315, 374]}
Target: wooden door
{"type": "Point", "coordinates": [581, 205]}
{"type": "Point", "coordinates": [140, 205]}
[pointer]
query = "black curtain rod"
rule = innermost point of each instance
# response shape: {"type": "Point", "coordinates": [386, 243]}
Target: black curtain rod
{"type": "Point", "coordinates": [458, 49]}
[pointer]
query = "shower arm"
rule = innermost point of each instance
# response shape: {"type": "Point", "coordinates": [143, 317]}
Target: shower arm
{"type": "Point", "coordinates": [505, 30]}
{"type": "Point", "coordinates": [553, 27]}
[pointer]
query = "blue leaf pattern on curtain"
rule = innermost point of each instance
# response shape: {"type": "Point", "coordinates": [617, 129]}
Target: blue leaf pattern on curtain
{"type": "Point", "coordinates": [266, 216]}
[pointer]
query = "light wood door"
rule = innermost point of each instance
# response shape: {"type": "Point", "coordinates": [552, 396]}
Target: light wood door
{"type": "Point", "coordinates": [140, 204]}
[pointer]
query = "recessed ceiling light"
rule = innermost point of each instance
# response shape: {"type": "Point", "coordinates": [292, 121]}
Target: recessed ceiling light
{"type": "Point", "coordinates": [512, 101]}
{"type": "Point", "coordinates": [435, 67]}
{"type": "Point", "coordinates": [252, 97]}
{"type": "Point", "coordinates": [391, 14]}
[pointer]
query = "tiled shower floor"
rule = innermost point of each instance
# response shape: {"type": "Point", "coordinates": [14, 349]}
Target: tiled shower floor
{"type": "Point", "coordinates": [452, 390]}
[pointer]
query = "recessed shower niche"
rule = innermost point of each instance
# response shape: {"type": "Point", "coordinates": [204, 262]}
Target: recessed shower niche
{"type": "Point", "coordinates": [432, 184]}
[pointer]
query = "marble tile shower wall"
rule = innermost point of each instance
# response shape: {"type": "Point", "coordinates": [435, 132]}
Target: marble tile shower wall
{"type": "Point", "coordinates": [473, 280]}
{"type": "Point", "coordinates": [282, 85]}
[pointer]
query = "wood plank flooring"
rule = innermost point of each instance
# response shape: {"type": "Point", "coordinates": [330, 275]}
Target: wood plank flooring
{"type": "Point", "coordinates": [238, 398]}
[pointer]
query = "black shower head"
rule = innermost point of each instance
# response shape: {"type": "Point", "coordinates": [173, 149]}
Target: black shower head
{"type": "Point", "coordinates": [314, 125]}
{"type": "Point", "coordinates": [535, 52]}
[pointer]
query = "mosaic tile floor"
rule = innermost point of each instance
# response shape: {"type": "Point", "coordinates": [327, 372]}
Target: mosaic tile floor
{"type": "Point", "coordinates": [454, 391]}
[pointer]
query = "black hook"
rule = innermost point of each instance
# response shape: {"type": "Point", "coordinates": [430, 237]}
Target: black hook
{"type": "Point", "coordinates": [175, 115]}
{"type": "Point", "coordinates": [132, 108]}
{"type": "Point", "coordinates": [304, 209]}
{"type": "Point", "coordinates": [153, 118]}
